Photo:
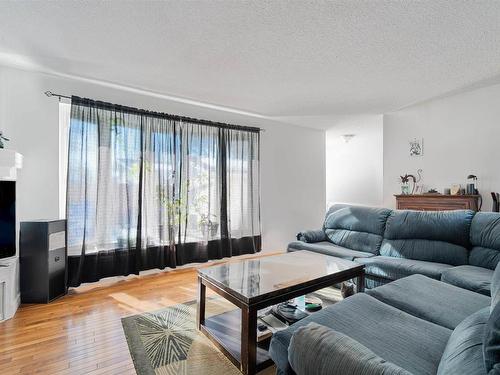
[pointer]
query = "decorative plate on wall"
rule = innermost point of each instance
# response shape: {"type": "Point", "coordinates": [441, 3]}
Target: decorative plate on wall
{"type": "Point", "coordinates": [417, 147]}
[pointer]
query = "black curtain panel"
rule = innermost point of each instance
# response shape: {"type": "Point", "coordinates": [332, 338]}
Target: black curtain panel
{"type": "Point", "coordinates": [150, 190]}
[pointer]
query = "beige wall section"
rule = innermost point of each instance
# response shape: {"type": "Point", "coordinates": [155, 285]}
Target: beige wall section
{"type": "Point", "coordinates": [461, 136]}
{"type": "Point", "coordinates": [354, 169]}
{"type": "Point", "coordinates": [293, 157]}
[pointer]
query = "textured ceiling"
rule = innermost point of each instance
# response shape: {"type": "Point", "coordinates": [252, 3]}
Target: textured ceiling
{"type": "Point", "coordinates": [282, 59]}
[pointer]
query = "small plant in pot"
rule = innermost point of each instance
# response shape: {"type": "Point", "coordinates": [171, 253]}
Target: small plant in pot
{"type": "Point", "coordinates": [175, 212]}
{"type": "Point", "coordinates": [208, 225]}
{"type": "Point", "coordinates": [3, 139]}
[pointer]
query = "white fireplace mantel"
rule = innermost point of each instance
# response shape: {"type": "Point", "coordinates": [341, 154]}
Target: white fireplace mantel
{"type": "Point", "coordinates": [10, 162]}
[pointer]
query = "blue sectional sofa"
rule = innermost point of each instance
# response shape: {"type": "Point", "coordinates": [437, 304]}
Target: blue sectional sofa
{"type": "Point", "coordinates": [415, 325]}
{"type": "Point", "coordinates": [458, 247]}
{"type": "Point", "coordinates": [427, 308]}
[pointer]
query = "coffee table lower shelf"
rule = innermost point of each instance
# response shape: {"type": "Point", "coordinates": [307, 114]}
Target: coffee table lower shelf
{"type": "Point", "coordinates": [224, 330]}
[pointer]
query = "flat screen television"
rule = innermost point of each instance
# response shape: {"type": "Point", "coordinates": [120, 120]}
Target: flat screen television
{"type": "Point", "coordinates": [7, 219]}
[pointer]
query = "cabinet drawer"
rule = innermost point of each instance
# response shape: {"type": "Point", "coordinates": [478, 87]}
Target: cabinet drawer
{"type": "Point", "coordinates": [57, 260]}
{"type": "Point", "coordinates": [57, 273]}
{"type": "Point", "coordinates": [437, 202]}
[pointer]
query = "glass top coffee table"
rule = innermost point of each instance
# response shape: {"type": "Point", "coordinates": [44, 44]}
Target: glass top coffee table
{"type": "Point", "coordinates": [254, 284]}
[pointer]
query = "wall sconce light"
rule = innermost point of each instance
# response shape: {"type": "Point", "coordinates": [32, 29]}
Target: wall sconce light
{"type": "Point", "coordinates": [347, 137]}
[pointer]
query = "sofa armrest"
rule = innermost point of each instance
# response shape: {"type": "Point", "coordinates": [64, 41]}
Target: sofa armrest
{"type": "Point", "coordinates": [318, 350]}
{"type": "Point", "coordinates": [311, 236]}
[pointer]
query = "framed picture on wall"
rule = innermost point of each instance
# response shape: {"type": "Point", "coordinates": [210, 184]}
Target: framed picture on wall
{"type": "Point", "coordinates": [417, 147]}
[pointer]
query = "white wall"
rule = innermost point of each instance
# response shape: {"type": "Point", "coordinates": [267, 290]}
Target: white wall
{"type": "Point", "coordinates": [292, 157]}
{"type": "Point", "coordinates": [354, 169]}
{"type": "Point", "coordinates": [461, 136]}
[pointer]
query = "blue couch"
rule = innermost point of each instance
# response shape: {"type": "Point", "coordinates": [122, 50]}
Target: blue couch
{"type": "Point", "coordinates": [414, 325]}
{"type": "Point", "coordinates": [458, 247]}
{"type": "Point", "coordinates": [431, 304]}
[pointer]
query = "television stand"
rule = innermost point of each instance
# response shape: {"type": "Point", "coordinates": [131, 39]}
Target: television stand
{"type": "Point", "coordinates": [10, 298]}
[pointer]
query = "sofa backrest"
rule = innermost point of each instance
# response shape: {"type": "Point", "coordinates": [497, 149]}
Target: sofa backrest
{"type": "Point", "coordinates": [495, 287]}
{"type": "Point", "coordinates": [463, 353]}
{"type": "Point", "coordinates": [474, 345]}
{"type": "Point", "coordinates": [485, 239]}
{"type": "Point", "coordinates": [356, 227]}
{"type": "Point", "coordinates": [435, 236]}
{"type": "Point", "coordinates": [491, 340]}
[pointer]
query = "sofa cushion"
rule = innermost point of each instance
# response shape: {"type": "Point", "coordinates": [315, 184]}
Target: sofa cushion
{"type": "Point", "coordinates": [328, 248]}
{"type": "Point", "coordinates": [430, 299]}
{"type": "Point", "coordinates": [473, 278]}
{"type": "Point", "coordinates": [409, 342]}
{"type": "Point", "coordinates": [491, 340]}
{"type": "Point", "coordinates": [426, 250]}
{"type": "Point", "coordinates": [444, 226]}
{"type": "Point", "coordinates": [495, 287]}
{"type": "Point", "coordinates": [397, 268]}
{"type": "Point", "coordinates": [318, 350]}
{"type": "Point", "coordinates": [464, 351]}
{"type": "Point", "coordinates": [484, 257]}
{"type": "Point", "coordinates": [434, 236]}
{"type": "Point", "coordinates": [485, 239]}
{"type": "Point", "coordinates": [356, 227]}
{"type": "Point", "coordinates": [357, 218]}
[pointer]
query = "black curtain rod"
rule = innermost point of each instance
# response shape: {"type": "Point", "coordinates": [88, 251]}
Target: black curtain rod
{"type": "Point", "coordinates": [50, 93]}
{"type": "Point", "coordinates": [160, 114]}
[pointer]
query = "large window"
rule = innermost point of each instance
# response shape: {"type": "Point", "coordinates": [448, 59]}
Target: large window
{"type": "Point", "coordinates": [149, 190]}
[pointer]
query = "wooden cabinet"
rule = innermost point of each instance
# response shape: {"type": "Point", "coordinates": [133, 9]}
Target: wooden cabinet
{"type": "Point", "coordinates": [42, 248]}
{"type": "Point", "coordinates": [437, 202]}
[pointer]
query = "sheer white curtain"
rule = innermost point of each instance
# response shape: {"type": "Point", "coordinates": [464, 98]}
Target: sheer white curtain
{"type": "Point", "coordinates": [149, 190]}
{"type": "Point", "coordinates": [243, 183]}
{"type": "Point", "coordinates": [64, 120]}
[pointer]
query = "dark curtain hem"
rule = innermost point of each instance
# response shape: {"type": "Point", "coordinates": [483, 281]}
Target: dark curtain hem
{"type": "Point", "coordinates": [122, 262]}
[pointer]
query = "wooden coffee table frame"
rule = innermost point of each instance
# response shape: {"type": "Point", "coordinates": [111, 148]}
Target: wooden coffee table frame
{"type": "Point", "coordinates": [243, 351]}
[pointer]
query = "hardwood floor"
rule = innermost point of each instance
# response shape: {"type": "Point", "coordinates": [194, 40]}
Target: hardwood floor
{"type": "Point", "coordinates": [81, 333]}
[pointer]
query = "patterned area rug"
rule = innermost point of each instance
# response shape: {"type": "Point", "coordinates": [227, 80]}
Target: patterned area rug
{"type": "Point", "coordinates": [166, 342]}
